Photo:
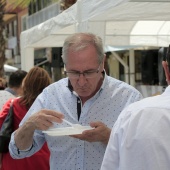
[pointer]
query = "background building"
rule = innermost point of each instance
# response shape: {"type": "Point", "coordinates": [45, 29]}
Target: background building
{"type": "Point", "coordinates": [138, 66]}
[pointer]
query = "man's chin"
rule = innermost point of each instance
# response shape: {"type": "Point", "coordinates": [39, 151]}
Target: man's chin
{"type": "Point", "coordinates": [83, 93]}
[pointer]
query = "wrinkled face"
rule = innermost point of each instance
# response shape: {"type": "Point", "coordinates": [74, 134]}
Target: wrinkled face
{"type": "Point", "coordinates": [85, 61]}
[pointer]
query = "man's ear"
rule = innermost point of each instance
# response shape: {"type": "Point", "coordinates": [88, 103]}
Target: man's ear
{"type": "Point", "coordinates": [104, 59]}
{"type": "Point", "coordinates": [167, 73]}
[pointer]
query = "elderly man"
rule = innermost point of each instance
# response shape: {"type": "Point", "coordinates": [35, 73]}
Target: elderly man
{"type": "Point", "coordinates": [87, 97]}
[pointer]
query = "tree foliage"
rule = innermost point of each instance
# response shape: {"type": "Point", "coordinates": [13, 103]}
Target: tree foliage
{"type": "Point", "coordinates": [11, 5]}
{"type": "Point", "coordinates": [2, 40]}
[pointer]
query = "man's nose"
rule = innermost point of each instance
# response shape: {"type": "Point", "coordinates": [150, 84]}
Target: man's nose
{"type": "Point", "coordinates": [82, 79]}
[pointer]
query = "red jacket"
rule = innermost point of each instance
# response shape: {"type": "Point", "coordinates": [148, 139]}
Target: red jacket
{"type": "Point", "coordinates": [39, 160]}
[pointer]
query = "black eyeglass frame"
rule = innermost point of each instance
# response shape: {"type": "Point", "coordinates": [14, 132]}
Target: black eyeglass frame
{"type": "Point", "coordinates": [76, 74]}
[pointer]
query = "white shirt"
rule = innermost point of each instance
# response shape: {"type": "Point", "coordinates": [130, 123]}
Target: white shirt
{"type": "Point", "coordinates": [68, 153]}
{"type": "Point", "coordinates": [140, 138]}
{"type": "Point", "coordinates": [4, 96]}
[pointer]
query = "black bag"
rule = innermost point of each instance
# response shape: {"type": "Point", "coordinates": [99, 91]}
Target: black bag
{"type": "Point", "coordinates": [6, 130]}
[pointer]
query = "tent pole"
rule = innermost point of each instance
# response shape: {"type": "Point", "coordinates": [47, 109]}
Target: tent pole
{"type": "Point", "coordinates": [27, 58]}
{"type": "Point", "coordinates": [126, 68]}
{"type": "Point", "coordinates": [132, 67]}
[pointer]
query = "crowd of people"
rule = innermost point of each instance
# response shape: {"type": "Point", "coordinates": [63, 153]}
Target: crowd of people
{"type": "Point", "coordinates": [126, 128]}
{"type": "Point", "coordinates": [13, 88]}
{"type": "Point", "coordinates": [28, 86]}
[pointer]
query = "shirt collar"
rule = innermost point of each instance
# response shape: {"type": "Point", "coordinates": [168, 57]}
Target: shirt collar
{"type": "Point", "coordinates": [70, 87]}
{"type": "Point", "coordinates": [104, 81]}
{"type": "Point", "coordinates": [11, 91]}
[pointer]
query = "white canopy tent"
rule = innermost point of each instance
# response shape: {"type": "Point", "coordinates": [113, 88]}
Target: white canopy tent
{"type": "Point", "coordinates": [118, 22]}
{"type": "Point", "coordinates": [8, 68]}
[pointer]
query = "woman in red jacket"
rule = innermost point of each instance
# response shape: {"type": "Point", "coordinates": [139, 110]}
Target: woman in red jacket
{"type": "Point", "coordinates": [33, 84]}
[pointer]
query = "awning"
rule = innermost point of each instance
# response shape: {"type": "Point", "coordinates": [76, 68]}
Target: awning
{"type": "Point", "coordinates": [9, 68]}
{"type": "Point", "coordinates": [8, 17]}
{"type": "Point", "coordinates": [118, 22]}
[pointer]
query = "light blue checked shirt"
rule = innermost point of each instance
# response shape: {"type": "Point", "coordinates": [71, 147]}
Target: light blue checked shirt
{"type": "Point", "coordinates": [68, 153]}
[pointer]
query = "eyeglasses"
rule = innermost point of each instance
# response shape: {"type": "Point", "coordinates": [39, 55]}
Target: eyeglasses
{"type": "Point", "coordinates": [86, 74]}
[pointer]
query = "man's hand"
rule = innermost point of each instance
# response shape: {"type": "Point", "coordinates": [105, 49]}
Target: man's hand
{"type": "Point", "coordinates": [44, 119]}
{"type": "Point", "coordinates": [100, 133]}
{"type": "Point", "coordinates": [41, 120]}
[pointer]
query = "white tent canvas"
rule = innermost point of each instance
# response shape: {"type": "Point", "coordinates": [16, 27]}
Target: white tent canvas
{"type": "Point", "coordinates": [8, 68]}
{"type": "Point", "coordinates": [118, 22]}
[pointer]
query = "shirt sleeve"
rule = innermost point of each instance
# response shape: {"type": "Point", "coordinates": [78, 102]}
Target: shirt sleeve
{"type": "Point", "coordinates": [137, 96]}
{"type": "Point", "coordinates": [38, 139]}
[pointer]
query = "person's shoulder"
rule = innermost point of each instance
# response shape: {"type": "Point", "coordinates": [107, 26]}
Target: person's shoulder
{"type": "Point", "coordinates": [147, 108]}
{"type": "Point", "coordinates": [4, 93]}
{"type": "Point", "coordinates": [60, 84]}
{"type": "Point", "coordinates": [120, 84]}
{"type": "Point", "coordinates": [117, 82]}
{"type": "Point", "coordinates": [6, 104]}
{"type": "Point", "coordinates": [145, 103]}
{"type": "Point", "coordinates": [136, 108]}
{"type": "Point", "coordinates": [141, 114]}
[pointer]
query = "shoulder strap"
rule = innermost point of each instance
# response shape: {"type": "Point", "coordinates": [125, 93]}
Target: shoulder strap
{"type": "Point", "coordinates": [12, 101]}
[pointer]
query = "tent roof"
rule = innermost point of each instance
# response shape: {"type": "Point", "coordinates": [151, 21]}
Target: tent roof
{"type": "Point", "coordinates": [120, 22]}
{"type": "Point", "coordinates": [9, 68]}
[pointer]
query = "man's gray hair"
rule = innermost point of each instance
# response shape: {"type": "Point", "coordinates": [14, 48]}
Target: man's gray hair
{"type": "Point", "coordinates": [80, 41]}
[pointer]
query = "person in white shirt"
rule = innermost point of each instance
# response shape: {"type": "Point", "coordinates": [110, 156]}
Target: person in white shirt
{"type": "Point", "coordinates": [4, 96]}
{"type": "Point", "coordinates": [14, 88]}
{"type": "Point", "coordinates": [140, 138]}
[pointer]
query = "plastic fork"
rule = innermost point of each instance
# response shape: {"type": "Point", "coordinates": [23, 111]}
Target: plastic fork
{"type": "Point", "coordinates": [71, 124]}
